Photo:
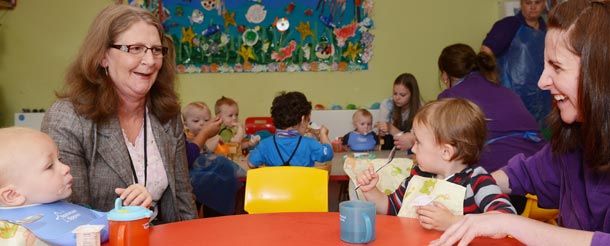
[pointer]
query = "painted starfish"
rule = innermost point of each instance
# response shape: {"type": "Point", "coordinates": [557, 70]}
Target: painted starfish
{"type": "Point", "coordinates": [246, 53]}
{"type": "Point", "coordinates": [229, 18]}
{"type": "Point", "coordinates": [352, 51]}
{"type": "Point", "coordinates": [187, 35]}
{"type": "Point", "coordinates": [305, 30]}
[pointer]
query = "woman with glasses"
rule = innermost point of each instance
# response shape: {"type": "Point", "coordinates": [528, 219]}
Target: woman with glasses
{"type": "Point", "coordinates": [117, 121]}
{"type": "Point", "coordinates": [570, 173]}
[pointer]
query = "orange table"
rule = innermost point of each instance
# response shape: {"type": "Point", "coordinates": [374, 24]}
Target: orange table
{"type": "Point", "coordinates": [293, 229]}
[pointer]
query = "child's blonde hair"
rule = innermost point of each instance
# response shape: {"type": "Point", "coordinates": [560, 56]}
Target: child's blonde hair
{"type": "Point", "coordinates": [458, 122]}
{"type": "Point", "coordinates": [194, 105]}
{"type": "Point", "coordinates": [223, 101]}
{"type": "Point", "coordinates": [362, 112]}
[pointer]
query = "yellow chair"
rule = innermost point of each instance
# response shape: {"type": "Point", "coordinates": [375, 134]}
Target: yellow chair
{"type": "Point", "coordinates": [532, 211]}
{"type": "Point", "coordinates": [286, 189]}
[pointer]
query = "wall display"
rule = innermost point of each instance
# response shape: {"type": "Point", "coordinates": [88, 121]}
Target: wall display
{"type": "Point", "coordinates": [224, 36]}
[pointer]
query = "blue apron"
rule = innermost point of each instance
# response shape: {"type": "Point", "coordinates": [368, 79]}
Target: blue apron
{"type": "Point", "coordinates": [520, 68]}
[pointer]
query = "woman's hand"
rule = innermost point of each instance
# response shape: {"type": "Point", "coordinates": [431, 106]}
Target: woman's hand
{"type": "Point", "coordinates": [404, 141]}
{"type": "Point", "coordinates": [368, 179]}
{"type": "Point", "coordinates": [472, 226]}
{"type": "Point", "coordinates": [436, 216]}
{"type": "Point", "coordinates": [383, 127]}
{"type": "Point", "coordinates": [134, 195]}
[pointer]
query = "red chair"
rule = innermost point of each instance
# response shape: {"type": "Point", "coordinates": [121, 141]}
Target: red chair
{"type": "Point", "coordinates": [255, 124]}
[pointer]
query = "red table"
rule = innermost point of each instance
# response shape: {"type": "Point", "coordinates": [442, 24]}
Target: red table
{"type": "Point", "coordinates": [312, 229]}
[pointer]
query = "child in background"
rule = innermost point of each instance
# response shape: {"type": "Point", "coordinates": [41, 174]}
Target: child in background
{"type": "Point", "coordinates": [214, 177]}
{"type": "Point", "coordinates": [449, 137]}
{"type": "Point", "coordinates": [33, 181]}
{"type": "Point", "coordinates": [362, 138]}
{"type": "Point", "coordinates": [291, 114]}
{"type": "Point", "coordinates": [195, 116]}
{"type": "Point", "coordinates": [232, 131]}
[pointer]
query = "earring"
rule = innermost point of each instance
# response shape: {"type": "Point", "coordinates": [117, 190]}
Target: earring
{"type": "Point", "coordinates": [106, 68]}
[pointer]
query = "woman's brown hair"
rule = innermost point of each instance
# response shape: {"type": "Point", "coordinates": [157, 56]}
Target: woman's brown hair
{"type": "Point", "coordinates": [408, 81]}
{"type": "Point", "coordinates": [88, 86]}
{"type": "Point", "coordinates": [586, 24]}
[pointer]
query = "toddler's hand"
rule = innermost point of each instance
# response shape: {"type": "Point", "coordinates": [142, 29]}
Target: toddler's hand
{"type": "Point", "coordinates": [323, 131]}
{"type": "Point", "coordinates": [435, 216]}
{"type": "Point", "coordinates": [368, 179]}
{"type": "Point", "coordinates": [134, 195]}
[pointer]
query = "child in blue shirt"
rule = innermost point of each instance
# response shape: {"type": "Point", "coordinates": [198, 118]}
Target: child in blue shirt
{"type": "Point", "coordinates": [288, 147]}
{"type": "Point", "coordinates": [362, 138]}
{"type": "Point", "coordinates": [33, 181]}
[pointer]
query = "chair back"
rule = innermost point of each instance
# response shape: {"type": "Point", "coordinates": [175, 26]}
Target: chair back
{"type": "Point", "coordinates": [286, 189]}
{"type": "Point", "coordinates": [255, 124]}
{"type": "Point", "coordinates": [532, 211]}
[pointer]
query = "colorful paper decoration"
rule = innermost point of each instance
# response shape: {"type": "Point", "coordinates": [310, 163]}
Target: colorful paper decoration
{"type": "Point", "coordinates": [219, 36]}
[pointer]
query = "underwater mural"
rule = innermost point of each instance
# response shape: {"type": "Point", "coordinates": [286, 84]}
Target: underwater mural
{"type": "Point", "coordinates": [218, 36]}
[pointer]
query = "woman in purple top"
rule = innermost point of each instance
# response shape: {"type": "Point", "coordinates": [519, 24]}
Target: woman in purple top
{"type": "Point", "coordinates": [511, 129]}
{"type": "Point", "coordinates": [571, 173]}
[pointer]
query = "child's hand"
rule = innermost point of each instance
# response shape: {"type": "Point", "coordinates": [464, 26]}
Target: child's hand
{"type": "Point", "coordinates": [323, 131]}
{"type": "Point", "coordinates": [436, 216]}
{"type": "Point", "coordinates": [368, 179]}
{"type": "Point", "coordinates": [134, 195]}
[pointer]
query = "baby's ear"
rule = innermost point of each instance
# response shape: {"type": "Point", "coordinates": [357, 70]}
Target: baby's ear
{"type": "Point", "coordinates": [447, 151]}
{"type": "Point", "coordinates": [11, 197]}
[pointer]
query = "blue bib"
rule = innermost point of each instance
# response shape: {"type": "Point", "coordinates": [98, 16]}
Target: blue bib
{"type": "Point", "coordinates": [57, 221]}
{"type": "Point", "coordinates": [358, 142]}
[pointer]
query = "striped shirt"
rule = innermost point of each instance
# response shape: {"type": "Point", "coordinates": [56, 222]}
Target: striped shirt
{"type": "Point", "coordinates": [482, 192]}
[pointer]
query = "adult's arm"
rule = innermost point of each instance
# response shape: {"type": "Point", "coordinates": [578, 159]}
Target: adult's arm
{"type": "Point", "coordinates": [501, 35]}
{"type": "Point", "coordinates": [62, 124]}
{"type": "Point", "coordinates": [185, 200]}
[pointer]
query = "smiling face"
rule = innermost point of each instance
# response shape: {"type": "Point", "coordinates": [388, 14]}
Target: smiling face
{"type": "Point", "coordinates": [561, 75]}
{"type": "Point", "coordinates": [401, 95]}
{"type": "Point", "coordinates": [38, 175]}
{"type": "Point", "coordinates": [134, 74]}
{"type": "Point", "coordinates": [195, 118]}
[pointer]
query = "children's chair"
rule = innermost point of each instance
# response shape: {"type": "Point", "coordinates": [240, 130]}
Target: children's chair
{"type": "Point", "coordinates": [255, 124]}
{"type": "Point", "coordinates": [286, 189]}
{"type": "Point", "coordinates": [532, 211]}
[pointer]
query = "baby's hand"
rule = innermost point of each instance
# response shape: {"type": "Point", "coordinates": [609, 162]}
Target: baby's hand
{"type": "Point", "coordinates": [134, 195]}
{"type": "Point", "coordinates": [435, 216]}
{"type": "Point", "coordinates": [368, 179]}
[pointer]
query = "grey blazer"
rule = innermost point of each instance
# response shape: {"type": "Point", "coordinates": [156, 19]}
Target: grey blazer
{"type": "Point", "coordinates": [99, 160]}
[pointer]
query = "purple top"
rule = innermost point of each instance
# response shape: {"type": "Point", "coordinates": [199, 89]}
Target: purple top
{"type": "Point", "coordinates": [562, 181]}
{"type": "Point", "coordinates": [506, 115]}
{"type": "Point", "coordinates": [501, 34]}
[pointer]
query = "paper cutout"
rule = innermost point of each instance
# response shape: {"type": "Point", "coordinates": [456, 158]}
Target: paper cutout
{"type": "Point", "coordinates": [422, 191]}
{"type": "Point", "coordinates": [390, 177]}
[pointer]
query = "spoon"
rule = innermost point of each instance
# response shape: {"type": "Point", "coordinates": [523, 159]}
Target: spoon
{"type": "Point", "coordinates": [390, 158]}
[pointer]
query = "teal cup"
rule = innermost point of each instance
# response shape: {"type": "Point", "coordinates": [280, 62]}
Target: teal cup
{"type": "Point", "coordinates": [357, 221]}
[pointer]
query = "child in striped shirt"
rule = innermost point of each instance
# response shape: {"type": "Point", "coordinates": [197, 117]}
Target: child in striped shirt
{"type": "Point", "coordinates": [449, 138]}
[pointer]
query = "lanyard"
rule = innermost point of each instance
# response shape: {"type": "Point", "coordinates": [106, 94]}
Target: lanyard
{"type": "Point", "coordinates": [133, 170]}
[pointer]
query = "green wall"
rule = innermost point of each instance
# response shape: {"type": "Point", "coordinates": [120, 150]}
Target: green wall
{"type": "Point", "coordinates": [40, 37]}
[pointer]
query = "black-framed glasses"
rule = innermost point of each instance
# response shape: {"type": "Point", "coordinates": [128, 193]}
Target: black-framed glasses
{"type": "Point", "coordinates": [139, 49]}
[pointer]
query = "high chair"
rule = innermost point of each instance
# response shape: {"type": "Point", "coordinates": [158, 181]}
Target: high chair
{"type": "Point", "coordinates": [255, 124]}
{"type": "Point", "coordinates": [286, 189]}
{"type": "Point", "coordinates": [532, 211]}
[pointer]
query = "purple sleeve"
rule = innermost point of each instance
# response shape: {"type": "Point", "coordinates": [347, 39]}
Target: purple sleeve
{"type": "Point", "coordinates": [538, 174]}
{"type": "Point", "coordinates": [600, 238]}
{"type": "Point", "coordinates": [501, 35]}
{"type": "Point", "coordinates": [192, 152]}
